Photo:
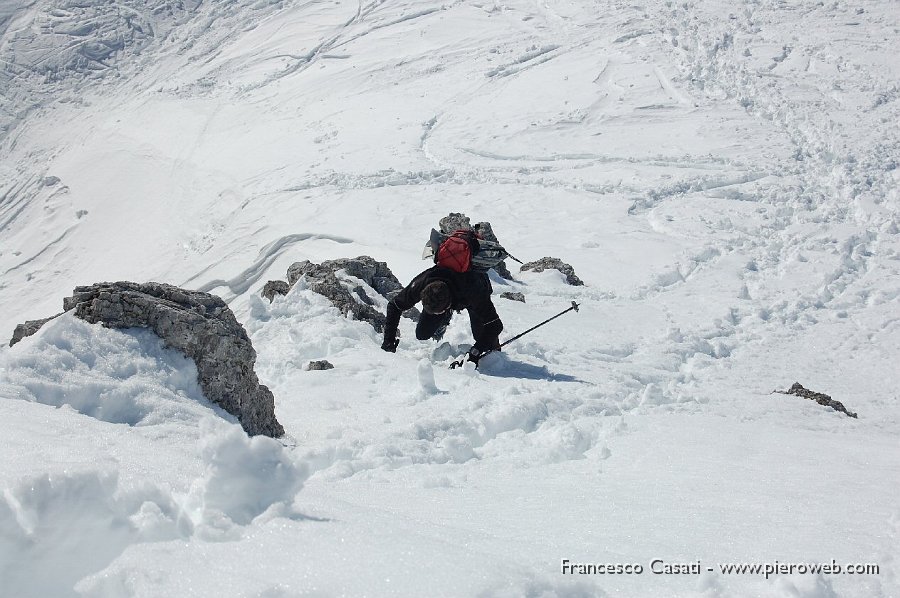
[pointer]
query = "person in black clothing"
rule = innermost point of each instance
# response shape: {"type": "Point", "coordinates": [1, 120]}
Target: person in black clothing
{"type": "Point", "coordinates": [441, 290]}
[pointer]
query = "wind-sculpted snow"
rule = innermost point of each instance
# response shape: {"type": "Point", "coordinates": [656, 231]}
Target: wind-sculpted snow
{"type": "Point", "coordinates": [74, 506]}
{"type": "Point", "coordinates": [242, 283]}
{"type": "Point", "coordinates": [244, 477]}
{"type": "Point", "coordinates": [118, 377]}
{"type": "Point", "coordinates": [73, 524]}
{"type": "Point", "coordinates": [76, 523]}
{"type": "Point", "coordinates": [49, 49]}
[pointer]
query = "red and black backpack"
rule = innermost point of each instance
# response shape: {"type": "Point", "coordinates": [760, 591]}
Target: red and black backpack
{"type": "Point", "coordinates": [464, 250]}
{"type": "Point", "coordinates": [456, 252]}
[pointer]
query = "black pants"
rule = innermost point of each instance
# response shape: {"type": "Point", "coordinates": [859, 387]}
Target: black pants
{"type": "Point", "coordinates": [429, 324]}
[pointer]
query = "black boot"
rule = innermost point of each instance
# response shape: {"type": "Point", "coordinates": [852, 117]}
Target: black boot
{"type": "Point", "coordinates": [442, 327]}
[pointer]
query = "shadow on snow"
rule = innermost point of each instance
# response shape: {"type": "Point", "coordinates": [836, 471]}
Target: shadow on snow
{"type": "Point", "coordinates": [501, 366]}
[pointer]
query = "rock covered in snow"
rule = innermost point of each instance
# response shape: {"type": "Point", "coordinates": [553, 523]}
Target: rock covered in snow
{"type": "Point", "coordinates": [323, 279]}
{"type": "Point", "coordinates": [374, 273]}
{"type": "Point", "coordinates": [554, 263]}
{"type": "Point", "coordinates": [513, 296]}
{"type": "Point", "coordinates": [275, 287]}
{"type": "Point", "coordinates": [202, 327]}
{"type": "Point", "coordinates": [456, 221]}
{"type": "Point", "coordinates": [28, 328]}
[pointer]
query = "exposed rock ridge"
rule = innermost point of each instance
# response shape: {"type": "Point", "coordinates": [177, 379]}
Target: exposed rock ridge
{"type": "Point", "coordinates": [797, 389]}
{"type": "Point", "coordinates": [202, 327]}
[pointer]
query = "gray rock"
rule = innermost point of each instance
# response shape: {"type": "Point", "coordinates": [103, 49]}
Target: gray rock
{"type": "Point", "coordinates": [486, 232]}
{"type": "Point", "coordinates": [456, 221]}
{"type": "Point", "coordinates": [202, 327]}
{"type": "Point", "coordinates": [322, 364]}
{"type": "Point", "coordinates": [322, 279]}
{"type": "Point", "coordinates": [28, 328]}
{"type": "Point", "coordinates": [374, 273]}
{"type": "Point", "coordinates": [503, 272]}
{"type": "Point", "coordinates": [513, 296]}
{"type": "Point", "coordinates": [49, 181]}
{"type": "Point", "coordinates": [822, 399]}
{"type": "Point", "coordinates": [553, 263]}
{"type": "Point", "coordinates": [275, 287]}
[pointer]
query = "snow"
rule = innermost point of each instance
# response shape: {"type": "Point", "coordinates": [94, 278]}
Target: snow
{"type": "Point", "coordinates": [722, 176]}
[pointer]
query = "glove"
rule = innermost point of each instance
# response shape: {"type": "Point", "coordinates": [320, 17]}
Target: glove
{"type": "Point", "coordinates": [476, 353]}
{"type": "Point", "coordinates": [390, 345]}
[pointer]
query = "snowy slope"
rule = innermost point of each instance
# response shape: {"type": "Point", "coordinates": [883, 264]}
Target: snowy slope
{"type": "Point", "coordinates": [723, 177]}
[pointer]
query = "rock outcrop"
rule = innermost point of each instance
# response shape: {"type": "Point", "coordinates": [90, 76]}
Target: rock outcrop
{"type": "Point", "coordinates": [553, 263]}
{"type": "Point", "coordinates": [28, 328]}
{"type": "Point", "coordinates": [355, 301]}
{"type": "Point", "coordinates": [322, 364]}
{"type": "Point", "coordinates": [822, 399]}
{"type": "Point", "coordinates": [513, 296]}
{"type": "Point", "coordinates": [199, 325]}
{"type": "Point", "coordinates": [275, 287]}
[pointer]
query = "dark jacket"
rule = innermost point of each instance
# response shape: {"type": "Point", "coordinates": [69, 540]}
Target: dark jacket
{"type": "Point", "coordinates": [468, 290]}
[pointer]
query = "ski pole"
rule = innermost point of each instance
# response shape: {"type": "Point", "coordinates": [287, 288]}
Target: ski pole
{"type": "Point", "coordinates": [518, 336]}
{"type": "Point", "coordinates": [511, 256]}
{"type": "Point", "coordinates": [461, 360]}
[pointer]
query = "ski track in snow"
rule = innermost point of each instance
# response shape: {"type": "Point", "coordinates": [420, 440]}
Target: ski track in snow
{"type": "Point", "coordinates": [241, 283]}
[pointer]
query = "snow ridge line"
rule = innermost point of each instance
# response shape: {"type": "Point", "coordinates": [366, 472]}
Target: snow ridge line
{"type": "Point", "coordinates": [14, 201]}
{"type": "Point", "coordinates": [528, 60]}
{"type": "Point", "coordinates": [525, 176]}
{"type": "Point", "coordinates": [241, 283]}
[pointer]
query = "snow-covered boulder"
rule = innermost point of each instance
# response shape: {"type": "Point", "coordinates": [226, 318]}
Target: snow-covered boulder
{"type": "Point", "coordinates": [355, 301]}
{"type": "Point", "coordinates": [28, 328]}
{"type": "Point", "coordinates": [374, 273]}
{"type": "Point", "coordinates": [554, 263]}
{"type": "Point", "coordinates": [202, 327]}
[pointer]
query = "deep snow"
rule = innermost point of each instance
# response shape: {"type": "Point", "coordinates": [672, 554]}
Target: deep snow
{"type": "Point", "coordinates": [723, 177]}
